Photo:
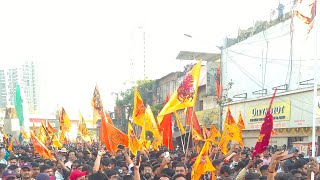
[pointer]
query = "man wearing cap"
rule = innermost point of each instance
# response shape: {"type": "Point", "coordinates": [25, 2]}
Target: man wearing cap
{"type": "Point", "coordinates": [78, 175]}
{"type": "Point", "coordinates": [25, 172]}
{"type": "Point", "coordinates": [9, 175]}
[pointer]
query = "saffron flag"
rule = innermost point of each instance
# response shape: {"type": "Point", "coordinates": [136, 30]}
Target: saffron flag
{"type": "Point", "coordinates": [62, 137]}
{"type": "Point", "coordinates": [51, 129]}
{"type": "Point", "coordinates": [111, 136]}
{"type": "Point", "coordinates": [305, 14]}
{"type": "Point", "coordinates": [40, 147]}
{"type": "Point", "coordinates": [34, 128]}
{"type": "Point", "coordinates": [166, 128]}
{"type": "Point", "coordinates": [134, 145]}
{"type": "Point", "coordinates": [229, 119]}
{"type": "Point", "coordinates": [65, 124]}
{"type": "Point", "coordinates": [265, 131]}
{"type": "Point", "coordinates": [179, 124]}
{"type": "Point", "coordinates": [205, 132]}
{"type": "Point", "coordinates": [191, 115]}
{"type": "Point", "coordinates": [142, 140]}
{"type": "Point", "coordinates": [55, 142]}
{"type": "Point", "coordinates": [18, 104]}
{"type": "Point", "coordinates": [203, 163]}
{"type": "Point", "coordinates": [185, 95]}
{"type": "Point", "coordinates": [150, 122]}
{"type": "Point", "coordinates": [196, 135]}
{"type": "Point", "coordinates": [24, 134]}
{"type": "Point", "coordinates": [98, 111]}
{"type": "Point", "coordinates": [82, 128]}
{"type": "Point", "coordinates": [214, 132]}
{"type": "Point", "coordinates": [139, 109]}
{"type": "Point", "coordinates": [240, 123]}
{"type": "Point", "coordinates": [10, 147]}
{"type": "Point", "coordinates": [230, 132]}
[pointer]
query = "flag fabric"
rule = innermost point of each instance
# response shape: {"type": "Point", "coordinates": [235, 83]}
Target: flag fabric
{"type": "Point", "coordinates": [218, 87]}
{"type": "Point", "coordinates": [51, 129]}
{"type": "Point", "coordinates": [166, 128]}
{"type": "Point", "coordinates": [265, 131]}
{"type": "Point", "coordinates": [134, 145]}
{"type": "Point", "coordinates": [40, 147]}
{"type": "Point", "coordinates": [142, 140]}
{"type": "Point", "coordinates": [196, 135]}
{"type": "Point", "coordinates": [229, 119]}
{"type": "Point", "coordinates": [111, 136]}
{"type": "Point", "coordinates": [240, 123]}
{"type": "Point", "coordinates": [55, 142]}
{"type": "Point", "coordinates": [150, 122]}
{"type": "Point", "coordinates": [230, 132]}
{"type": "Point", "coordinates": [82, 128]}
{"type": "Point", "coordinates": [62, 137]}
{"type": "Point", "coordinates": [34, 127]}
{"type": "Point", "coordinates": [191, 115]}
{"type": "Point", "coordinates": [24, 134]}
{"type": "Point", "coordinates": [179, 124]}
{"type": "Point", "coordinates": [305, 14]}
{"type": "Point", "coordinates": [203, 163]}
{"type": "Point", "coordinates": [185, 95]}
{"type": "Point", "coordinates": [65, 124]}
{"type": "Point", "coordinates": [205, 132]}
{"type": "Point", "coordinates": [98, 111]}
{"type": "Point", "coordinates": [214, 132]}
{"type": "Point", "coordinates": [10, 147]}
{"type": "Point", "coordinates": [139, 109]}
{"type": "Point", "coordinates": [18, 104]}
{"type": "Point", "coordinates": [109, 119]}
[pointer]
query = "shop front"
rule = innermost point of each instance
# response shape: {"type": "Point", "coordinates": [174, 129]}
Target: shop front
{"type": "Point", "coordinates": [292, 113]}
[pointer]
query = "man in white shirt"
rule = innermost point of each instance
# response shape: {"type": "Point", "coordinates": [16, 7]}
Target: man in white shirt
{"type": "Point", "coordinates": [72, 157]}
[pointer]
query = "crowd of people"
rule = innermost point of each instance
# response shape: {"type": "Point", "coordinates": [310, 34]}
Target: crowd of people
{"type": "Point", "coordinates": [82, 162]}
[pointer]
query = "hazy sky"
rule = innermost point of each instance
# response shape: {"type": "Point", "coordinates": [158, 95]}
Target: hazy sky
{"type": "Point", "coordinates": [80, 43]}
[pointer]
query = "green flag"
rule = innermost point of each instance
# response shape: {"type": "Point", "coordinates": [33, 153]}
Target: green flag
{"type": "Point", "coordinates": [18, 101]}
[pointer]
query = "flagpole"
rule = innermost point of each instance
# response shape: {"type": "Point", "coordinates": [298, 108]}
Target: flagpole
{"type": "Point", "coordinates": [315, 89]}
{"type": "Point", "coordinates": [190, 129]}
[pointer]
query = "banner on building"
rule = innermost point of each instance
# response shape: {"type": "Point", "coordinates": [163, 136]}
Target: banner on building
{"type": "Point", "coordinates": [280, 110]}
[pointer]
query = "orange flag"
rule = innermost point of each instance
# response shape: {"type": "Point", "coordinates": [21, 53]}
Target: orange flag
{"type": "Point", "coordinates": [82, 127]}
{"type": "Point", "coordinates": [51, 129]}
{"type": "Point", "coordinates": [166, 128]}
{"type": "Point", "coordinates": [185, 95]}
{"type": "Point", "coordinates": [229, 119]}
{"type": "Point", "coordinates": [205, 132]}
{"type": "Point", "coordinates": [179, 124]}
{"type": "Point", "coordinates": [203, 163]}
{"type": "Point", "coordinates": [111, 136]}
{"type": "Point", "coordinates": [10, 147]}
{"type": "Point", "coordinates": [240, 123]}
{"type": "Point", "coordinates": [134, 145]}
{"type": "Point", "coordinates": [191, 115]}
{"type": "Point", "coordinates": [139, 109]}
{"type": "Point", "coordinates": [40, 147]}
{"type": "Point", "coordinates": [196, 135]}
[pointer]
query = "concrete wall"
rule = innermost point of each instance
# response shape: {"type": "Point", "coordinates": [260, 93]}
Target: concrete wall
{"type": "Point", "coordinates": [263, 61]}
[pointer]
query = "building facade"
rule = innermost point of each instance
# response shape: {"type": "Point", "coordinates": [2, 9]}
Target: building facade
{"type": "Point", "coordinates": [274, 58]}
{"type": "Point", "coordinates": [26, 76]}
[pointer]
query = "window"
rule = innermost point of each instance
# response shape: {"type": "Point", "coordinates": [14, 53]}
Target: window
{"type": "Point", "coordinates": [293, 139]}
{"type": "Point", "coordinates": [201, 105]}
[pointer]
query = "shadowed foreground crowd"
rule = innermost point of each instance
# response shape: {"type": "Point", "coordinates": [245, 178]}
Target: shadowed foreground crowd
{"type": "Point", "coordinates": [77, 162]}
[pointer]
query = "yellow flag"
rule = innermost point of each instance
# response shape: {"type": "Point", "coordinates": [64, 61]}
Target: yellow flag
{"type": "Point", "coordinates": [142, 140]}
{"type": "Point", "coordinates": [196, 135]}
{"type": "Point", "coordinates": [185, 95]}
{"type": "Point", "coordinates": [139, 109]}
{"type": "Point", "coordinates": [180, 126]}
{"type": "Point", "coordinates": [62, 137]}
{"type": "Point", "coordinates": [82, 128]}
{"type": "Point", "coordinates": [202, 163]}
{"type": "Point", "coordinates": [55, 142]}
{"type": "Point", "coordinates": [24, 134]}
{"type": "Point", "coordinates": [150, 123]}
{"type": "Point", "coordinates": [240, 123]}
{"type": "Point", "coordinates": [65, 123]}
{"type": "Point", "coordinates": [230, 132]}
{"type": "Point", "coordinates": [214, 132]}
{"type": "Point", "coordinates": [134, 145]}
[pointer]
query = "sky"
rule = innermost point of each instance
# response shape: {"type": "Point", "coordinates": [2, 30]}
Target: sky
{"type": "Point", "coordinates": [78, 44]}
